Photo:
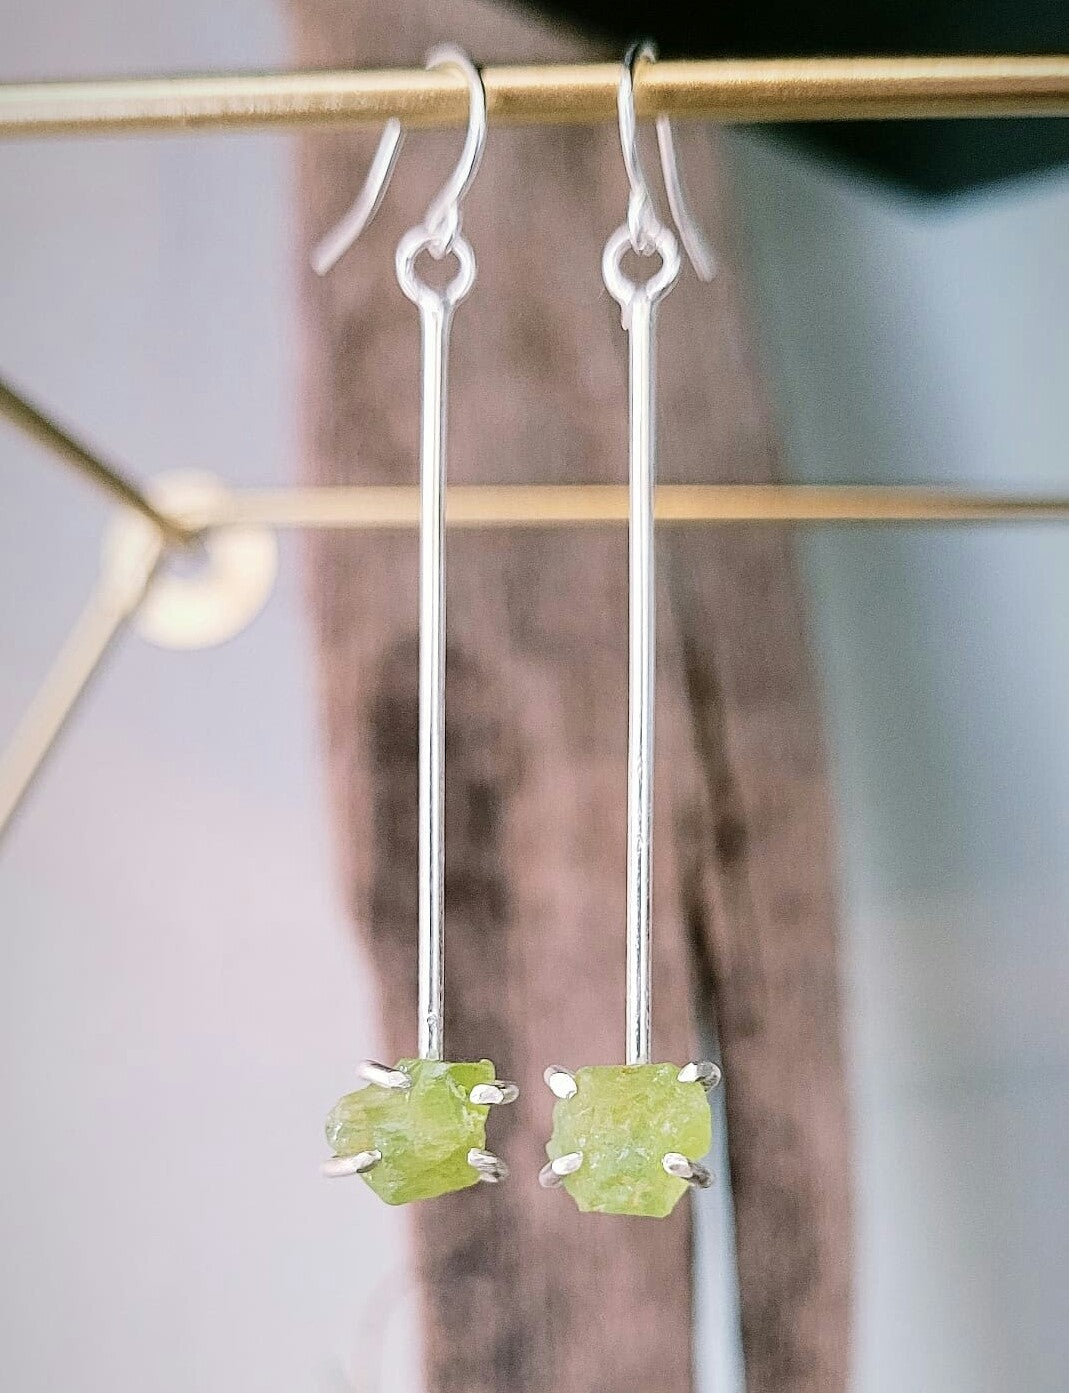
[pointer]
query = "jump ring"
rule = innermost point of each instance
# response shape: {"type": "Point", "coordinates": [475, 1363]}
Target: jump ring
{"type": "Point", "coordinates": [419, 240]}
{"type": "Point", "coordinates": [624, 290]}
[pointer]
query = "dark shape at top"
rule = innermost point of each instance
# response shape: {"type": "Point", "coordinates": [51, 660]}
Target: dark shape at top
{"type": "Point", "coordinates": [932, 157]}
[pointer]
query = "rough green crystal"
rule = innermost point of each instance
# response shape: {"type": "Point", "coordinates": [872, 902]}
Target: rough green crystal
{"type": "Point", "coordinates": [624, 1118]}
{"type": "Point", "coordinates": [424, 1133]}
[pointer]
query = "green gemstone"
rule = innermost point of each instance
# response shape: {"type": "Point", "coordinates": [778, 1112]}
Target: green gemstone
{"type": "Point", "coordinates": [424, 1133]}
{"type": "Point", "coordinates": [624, 1118]}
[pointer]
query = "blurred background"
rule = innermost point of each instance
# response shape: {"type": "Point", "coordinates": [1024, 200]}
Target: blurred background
{"type": "Point", "coordinates": [180, 995]}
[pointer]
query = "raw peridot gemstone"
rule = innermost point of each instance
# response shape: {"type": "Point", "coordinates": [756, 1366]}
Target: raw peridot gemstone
{"type": "Point", "coordinates": [624, 1118]}
{"type": "Point", "coordinates": [424, 1133]}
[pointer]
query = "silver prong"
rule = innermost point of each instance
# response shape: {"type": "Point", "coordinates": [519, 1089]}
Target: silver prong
{"type": "Point", "coordinates": [675, 1163]}
{"type": "Point", "coordinates": [702, 1071]}
{"type": "Point", "coordinates": [384, 1076]}
{"type": "Point", "coordinates": [500, 1091]}
{"type": "Point", "coordinates": [561, 1081]}
{"type": "Point", "coordinates": [491, 1168]}
{"type": "Point", "coordinates": [552, 1174]}
{"type": "Point", "coordinates": [359, 1164]}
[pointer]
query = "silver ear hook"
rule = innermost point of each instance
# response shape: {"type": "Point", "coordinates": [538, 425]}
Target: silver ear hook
{"type": "Point", "coordinates": [643, 219]}
{"type": "Point", "coordinates": [329, 250]}
{"type": "Point", "coordinates": [442, 221]}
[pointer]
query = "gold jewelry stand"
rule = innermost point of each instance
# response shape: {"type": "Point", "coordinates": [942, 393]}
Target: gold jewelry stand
{"type": "Point", "coordinates": [811, 89]}
{"type": "Point", "coordinates": [770, 89]}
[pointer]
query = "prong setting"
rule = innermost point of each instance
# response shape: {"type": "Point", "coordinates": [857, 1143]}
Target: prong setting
{"type": "Point", "coordinates": [372, 1072]}
{"type": "Point", "coordinates": [702, 1071]}
{"type": "Point", "coordinates": [419, 1115]}
{"type": "Point", "coordinates": [553, 1174]}
{"type": "Point", "coordinates": [359, 1164]}
{"type": "Point", "coordinates": [492, 1169]}
{"type": "Point", "coordinates": [494, 1094]}
{"type": "Point", "coordinates": [561, 1082]}
{"type": "Point", "coordinates": [675, 1163]}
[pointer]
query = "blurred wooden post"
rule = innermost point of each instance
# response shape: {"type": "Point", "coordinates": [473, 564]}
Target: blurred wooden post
{"type": "Point", "coordinates": [520, 1293]}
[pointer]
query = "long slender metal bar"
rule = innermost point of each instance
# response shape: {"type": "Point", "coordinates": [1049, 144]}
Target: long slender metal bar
{"type": "Point", "coordinates": [642, 670]}
{"type": "Point", "coordinates": [435, 316]}
{"type": "Point", "coordinates": [727, 91]}
{"type": "Point", "coordinates": [371, 507]}
{"type": "Point", "coordinates": [119, 591]}
{"type": "Point", "coordinates": [493, 506]}
{"type": "Point", "coordinates": [32, 421]}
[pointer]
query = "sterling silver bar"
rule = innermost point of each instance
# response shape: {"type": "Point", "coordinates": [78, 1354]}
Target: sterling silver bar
{"type": "Point", "coordinates": [642, 669]}
{"type": "Point", "coordinates": [435, 317]}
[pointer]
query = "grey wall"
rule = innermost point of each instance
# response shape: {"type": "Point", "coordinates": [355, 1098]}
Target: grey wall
{"type": "Point", "coordinates": [911, 344]}
{"type": "Point", "coordinates": [179, 996]}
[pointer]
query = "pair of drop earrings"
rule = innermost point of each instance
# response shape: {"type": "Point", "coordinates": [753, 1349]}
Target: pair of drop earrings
{"type": "Point", "coordinates": [626, 1138]}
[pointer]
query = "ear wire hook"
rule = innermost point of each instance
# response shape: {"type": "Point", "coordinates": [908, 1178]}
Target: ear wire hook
{"type": "Point", "coordinates": [643, 219]}
{"type": "Point", "coordinates": [329, 250]}
{"type": "Point", "coordinates": [441, 224]}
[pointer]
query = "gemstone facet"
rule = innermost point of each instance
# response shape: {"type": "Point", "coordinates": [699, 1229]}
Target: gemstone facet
{"type": "Point", "coordinates": [424, 1132]}
{"type": "Point", "coordinates": [625, 1119]}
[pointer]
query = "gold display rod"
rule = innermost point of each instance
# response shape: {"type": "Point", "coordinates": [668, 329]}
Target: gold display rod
{"type": "Point", "coordinates": [727, 91]}
{"type": "Point", "coordinates": [371, 507]}
{"type": "Point", "coordinates": [553, 505]}
{"type": "Point", "coordinates": [33, 422]}
{"type": "Point", "coordinates": [118, 593]}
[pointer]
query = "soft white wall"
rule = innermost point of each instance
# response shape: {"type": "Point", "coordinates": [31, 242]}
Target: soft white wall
{"type": "Point", "coordinates": [180, 1000]}
{"type": "Point", "coordinates": [178, 990]}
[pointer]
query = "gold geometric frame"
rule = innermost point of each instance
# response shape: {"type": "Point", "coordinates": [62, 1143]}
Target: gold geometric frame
{"type": "Point", "coordinates": [727, 92]}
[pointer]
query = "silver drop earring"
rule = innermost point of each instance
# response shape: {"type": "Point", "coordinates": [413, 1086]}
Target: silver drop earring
{"type": "Point", "coordinates": [418, 1129]}
{"type": "Point", "coordinates": [626, 1138]}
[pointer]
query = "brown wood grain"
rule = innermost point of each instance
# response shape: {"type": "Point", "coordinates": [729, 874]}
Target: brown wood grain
{"type": "Point", "coordinates": [520, 1293]}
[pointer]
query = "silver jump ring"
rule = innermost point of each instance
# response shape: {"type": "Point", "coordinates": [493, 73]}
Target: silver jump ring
{"type": "Point", "coordinates": [419, 240]}
{"type": "Point", "coordinates": [624, 290]}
